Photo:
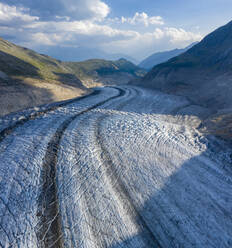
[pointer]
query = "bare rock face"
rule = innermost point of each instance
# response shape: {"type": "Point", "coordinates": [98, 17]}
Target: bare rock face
{"type": "Point", "coordinates": [203, 73]}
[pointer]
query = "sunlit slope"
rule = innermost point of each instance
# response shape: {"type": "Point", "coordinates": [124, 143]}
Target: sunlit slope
{"type": "Point", "coordinates": [21, 62]}
{"type": "Point", "coordinates": [28, 79]}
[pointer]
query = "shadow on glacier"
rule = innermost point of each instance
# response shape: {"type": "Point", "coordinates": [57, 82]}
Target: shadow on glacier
{"type": "Point", "coordinates": [192, 209]}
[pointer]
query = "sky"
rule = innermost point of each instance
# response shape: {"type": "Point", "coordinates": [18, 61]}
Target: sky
{"type": "Point", "coordinates": [135, 28]}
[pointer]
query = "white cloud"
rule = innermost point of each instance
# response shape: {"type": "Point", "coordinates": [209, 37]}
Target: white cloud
{"type": "Point", "coordinates": [115, 35]}
{"type": "Point", "coordinates": [100, 9]}
{"type": "Point", "coordinates": [144, 44]}
{"type": "Point", "coordinates": [143, 18]}
{"type": "Point", "coordinates": [50, 10]}
{"type": "Point", "coordinates": [43, 39]}
{"type": "Point", "coordinates": [87, 28]}
{"type": "Point", "coordinates": [180, 35]}
{"type": "Point", "coordinates": [12, 13]}
{"type": "Point", "coordinates": [87, 9]}
{"type": "Point", "coordinates": [63, 18]}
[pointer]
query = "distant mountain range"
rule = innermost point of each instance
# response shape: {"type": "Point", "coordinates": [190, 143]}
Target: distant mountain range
{"type": "Point", "coordinates": [160, 57]}
{"type": "Point", "coordinates": [79, 54]}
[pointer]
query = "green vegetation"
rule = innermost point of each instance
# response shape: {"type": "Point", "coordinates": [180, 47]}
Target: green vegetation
{"type": "Point", "coordinates": [102, 67]}
{"type": "Point", "coordinates": [22, 62]}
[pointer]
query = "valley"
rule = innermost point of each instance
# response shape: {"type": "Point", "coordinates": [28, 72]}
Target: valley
{"type": "Point", "coordinates": [103, 154]}
{"type": "Point", "coordinates": [29, 79]}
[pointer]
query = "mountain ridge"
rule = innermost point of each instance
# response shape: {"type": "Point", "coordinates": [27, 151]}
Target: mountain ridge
{"type": "Point", "coordinates": [79, 54]}
{"type": "Point", "coordinates": [205, 68]}
{"type": "Point", "coordinates": [161, 57]}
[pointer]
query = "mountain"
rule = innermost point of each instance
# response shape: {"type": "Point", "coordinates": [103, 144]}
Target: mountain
{"type": "Point", "coordinates": [203, 74]}
{"type": "Point", "coordinates": [117, 56]}
{"type": "Point", "coordinates": [28, 79]}
{"type": "Point", "coordinates": [20, 62]}
{"type": "Point", "coordinates": [106, 71]}
{"type": "Point", "coordinates": [160, 57]}
{"type": "Point", "coordinates": [79, 54]}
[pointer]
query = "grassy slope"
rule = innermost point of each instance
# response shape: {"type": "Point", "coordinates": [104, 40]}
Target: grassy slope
{"type": "Point", "coordinates": [28, 79]}
{"type": "Point", "coordinates": [19, 61]}
{"type": "Point", "coordinates": [100, 68]}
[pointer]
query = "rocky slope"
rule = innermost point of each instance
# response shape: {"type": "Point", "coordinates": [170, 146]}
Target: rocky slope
{"type": "Point", "coordinates": [161, 57]}
{"type": "Point", "coordinates": [204, 72]}
{"type": "Point", "coordinates": [204, 75]}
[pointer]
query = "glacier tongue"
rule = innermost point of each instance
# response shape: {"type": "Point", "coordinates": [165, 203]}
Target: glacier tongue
{"type": "Point", "coordinates": [125, 167]}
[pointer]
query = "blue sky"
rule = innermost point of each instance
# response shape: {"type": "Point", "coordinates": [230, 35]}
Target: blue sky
{"type": "Point", "coordinates": [135, 28]}
{"type": "Point", "coordinates": [207, 14]}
